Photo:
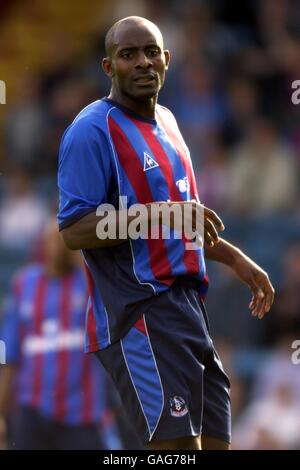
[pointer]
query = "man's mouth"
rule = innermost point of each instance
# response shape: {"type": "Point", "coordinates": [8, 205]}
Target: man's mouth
{"type": "Point", "coordinates": [145, 79]}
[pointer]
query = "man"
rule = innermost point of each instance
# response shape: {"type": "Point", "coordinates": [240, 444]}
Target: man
{"type": "Point", "coordinates": [60, 393]}
{"type": "Point", "coordinates": [153, 337]}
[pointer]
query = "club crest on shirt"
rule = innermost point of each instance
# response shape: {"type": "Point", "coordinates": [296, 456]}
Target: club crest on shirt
{"type": "Point", "coordinates": [183, 185]}
{"type": "Point", "coordinates": [149, 162]}
{"type": "Point", "coordinates": [178, 407]}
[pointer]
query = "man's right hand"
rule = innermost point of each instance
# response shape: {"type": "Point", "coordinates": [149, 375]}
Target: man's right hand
{"type": "Point", "coordinates": [212, 224]}
{"type": "Point", "coordinates": [195, 217]}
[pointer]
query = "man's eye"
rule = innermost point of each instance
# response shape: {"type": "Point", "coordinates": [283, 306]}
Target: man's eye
{"type": "Point", "coordinates": [126, 55]}
{"type": "Point", "coordinates": [153, 53]}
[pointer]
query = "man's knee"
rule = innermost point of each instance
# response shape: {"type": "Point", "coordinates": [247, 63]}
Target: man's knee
{"type": "Point", "coordinates": [211, 443]}
{"type": "Point", "coordinates": [182, 443]}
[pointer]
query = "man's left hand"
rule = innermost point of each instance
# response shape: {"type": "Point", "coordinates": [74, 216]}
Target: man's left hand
{"type": "Point", "coordinates": [259, 283]}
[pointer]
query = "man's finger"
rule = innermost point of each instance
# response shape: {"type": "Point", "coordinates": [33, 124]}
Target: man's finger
{"type": "Point", "coordinates": [208, 240]}
{"type": "Point", "coordinates": [268, 292]}
{"type": "Point", "coordinates": [259, 299]}
{"type": "Point", "coordinates": [259, 309]}
{"type": "Point", "coordinates": [211, 229]}
{"type": "Point", "coordinates": [214, 218]}
{"type": "Point", "coordinates": [269, 300]}
{"type": "Point", "coordinates": [262, 310]}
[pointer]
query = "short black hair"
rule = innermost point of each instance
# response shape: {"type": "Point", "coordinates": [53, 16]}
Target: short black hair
{"type": "Point", "coordinates": [109, 37]}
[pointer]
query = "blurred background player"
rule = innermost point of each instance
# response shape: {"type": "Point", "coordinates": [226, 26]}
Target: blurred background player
{"type": "Point", "coordinates": [60, 397]}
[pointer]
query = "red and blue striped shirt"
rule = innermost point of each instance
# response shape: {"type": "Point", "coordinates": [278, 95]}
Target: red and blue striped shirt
{"type": "Point", "coordinates": [109, 152]}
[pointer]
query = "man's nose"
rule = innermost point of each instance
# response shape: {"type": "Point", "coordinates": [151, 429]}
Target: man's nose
{"type": "Point", "coordinates": [143, 61]}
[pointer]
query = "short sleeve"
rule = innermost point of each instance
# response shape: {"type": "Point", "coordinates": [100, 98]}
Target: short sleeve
{"type": "Point", "coordinates": [84, 171]}
{"type": "Point", "coordinates": [10, 329]}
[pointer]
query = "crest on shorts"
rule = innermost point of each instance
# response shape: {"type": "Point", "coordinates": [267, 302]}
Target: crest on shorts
{"type": "Point", "coordinates": [178, 407]}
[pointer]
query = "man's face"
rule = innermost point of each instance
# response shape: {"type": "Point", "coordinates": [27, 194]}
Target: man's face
{"type": "Point", "coordinates": [138, 63]}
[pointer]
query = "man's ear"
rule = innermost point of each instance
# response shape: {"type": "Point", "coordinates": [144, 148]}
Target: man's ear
{"type": "Point", "coordinates": [167, 58]}
{"type": "Point", "coordinates": [107, 67]}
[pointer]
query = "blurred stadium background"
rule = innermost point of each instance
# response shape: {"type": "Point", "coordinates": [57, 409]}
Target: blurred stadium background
{"type": "Point", "coordinates": [229, 86]}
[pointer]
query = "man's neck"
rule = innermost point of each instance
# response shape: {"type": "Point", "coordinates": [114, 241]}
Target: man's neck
{"type": "Point", "coordinates": [145, 108]}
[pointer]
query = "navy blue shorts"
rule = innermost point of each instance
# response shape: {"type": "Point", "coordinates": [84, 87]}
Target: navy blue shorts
{"type": "Point", "coordinates": [167, 371]}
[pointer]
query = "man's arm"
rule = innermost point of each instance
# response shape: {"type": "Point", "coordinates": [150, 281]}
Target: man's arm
{"type": "Point", "coordinates": [83, 233]}
{"type": "Point", "coordinates": [248, 271]}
